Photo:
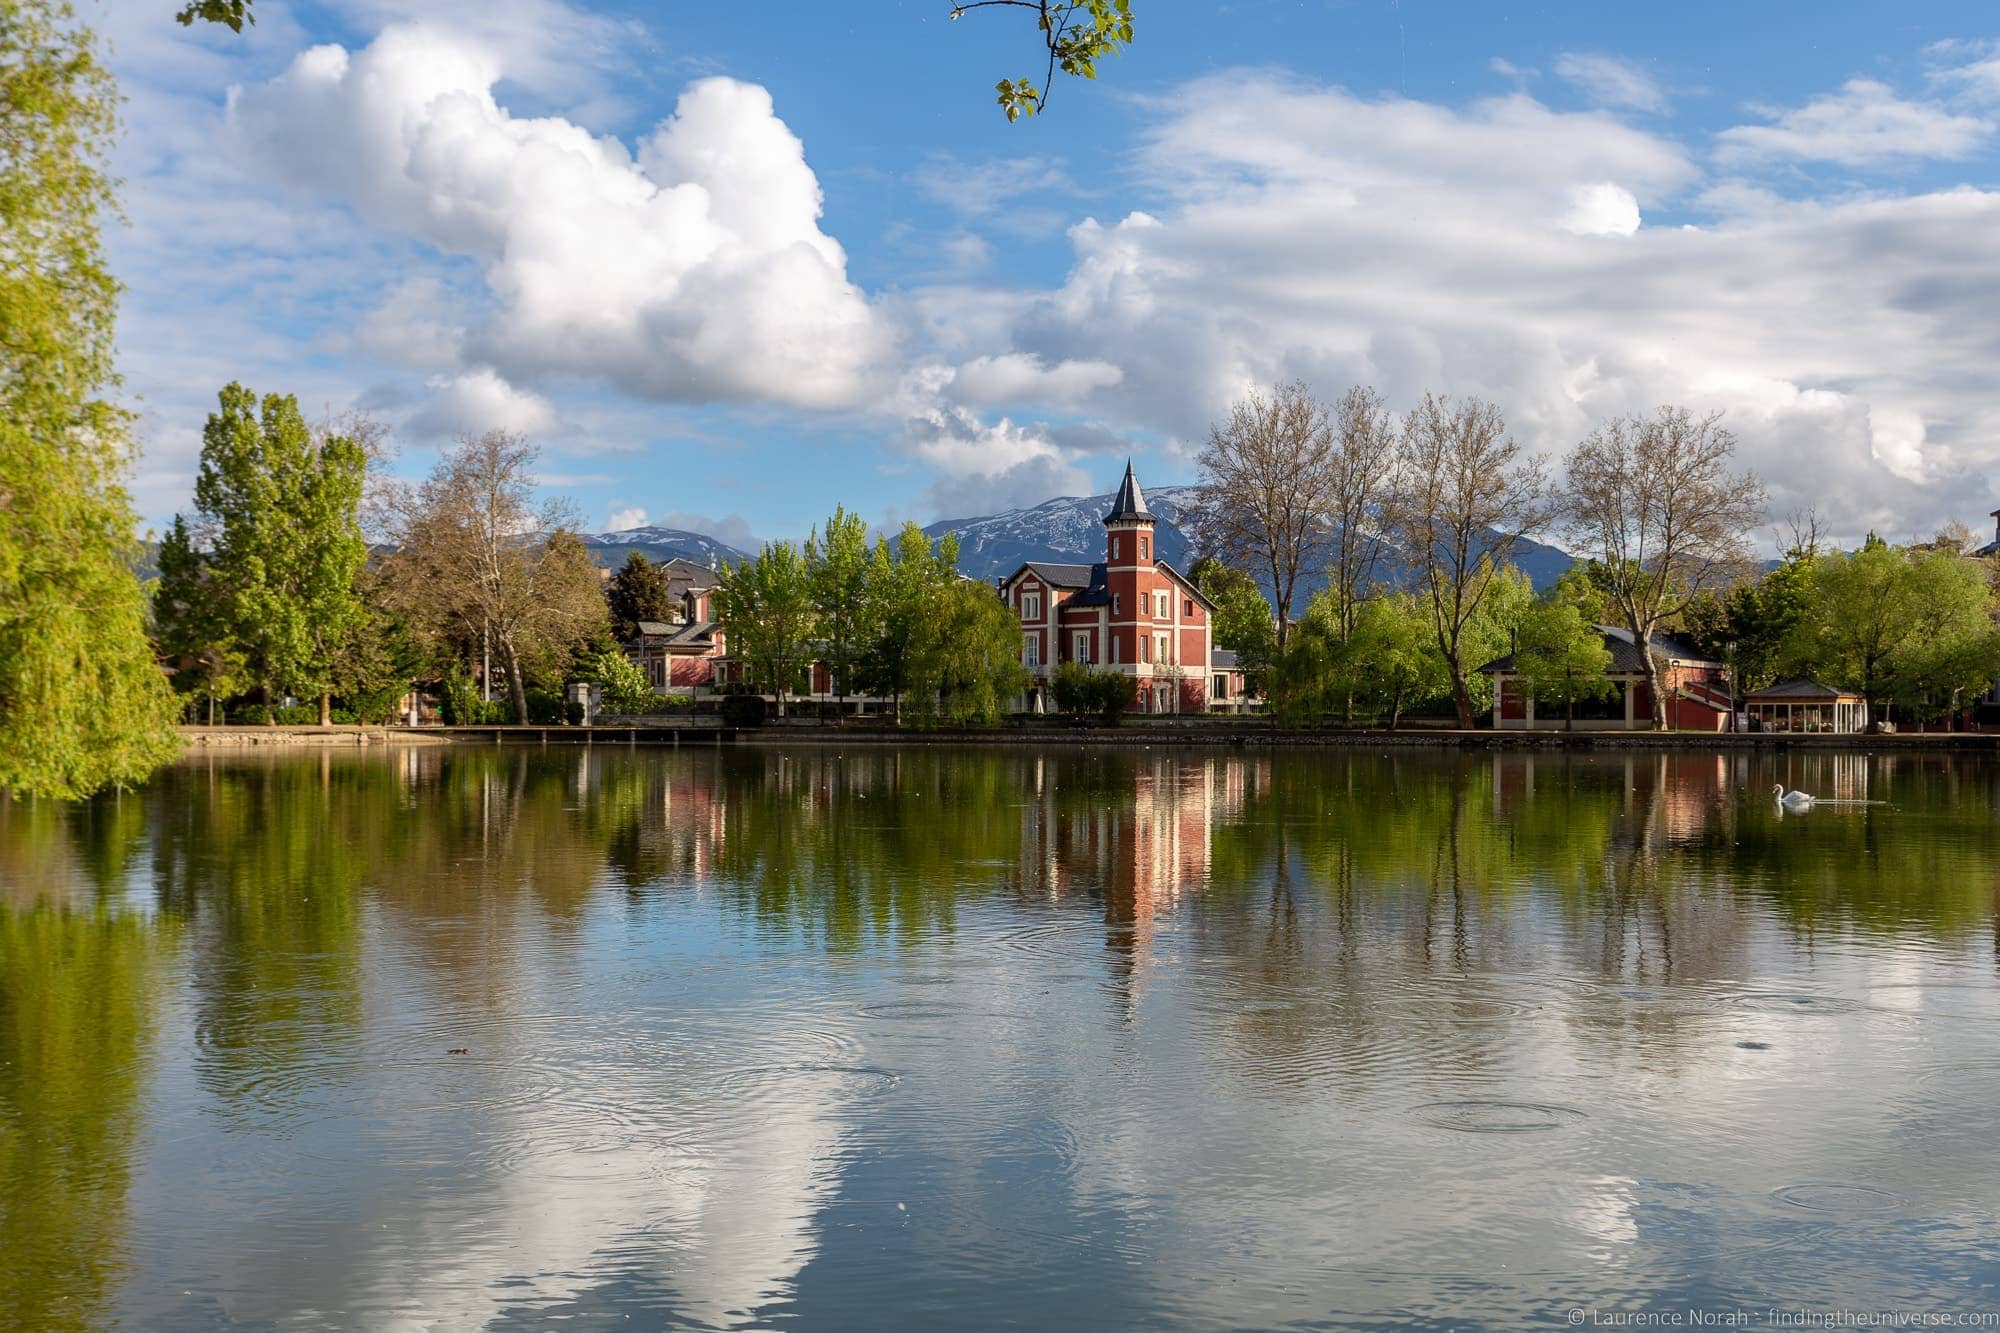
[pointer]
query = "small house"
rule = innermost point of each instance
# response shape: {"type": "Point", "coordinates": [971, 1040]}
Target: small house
{"type": "Point", "coordinates": [1697, 690]}
{"type": "Point", "coordinates": [1806, 705]}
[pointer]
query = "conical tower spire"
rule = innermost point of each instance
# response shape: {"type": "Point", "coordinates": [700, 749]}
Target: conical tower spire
{"type": "Point", "coordinates": [1130, 503]}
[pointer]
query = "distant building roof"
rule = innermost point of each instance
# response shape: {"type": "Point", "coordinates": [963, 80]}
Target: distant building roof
{"type": "Point", "coordinates": [1060, 576]}
{"type": "Point", "coordinates": [1625, 657]}
{"type": "Point", "coordinates": [1793, 690]}
{"type": "Point", "coordinates": [1222, 659]}
{"type": "Point", "coordinates": [1130, 502]}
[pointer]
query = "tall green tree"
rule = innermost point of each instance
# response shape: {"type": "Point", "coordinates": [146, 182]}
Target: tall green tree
{"type": "Point", "coordinates": [1896, 624]}
{"type": "Point", "coordinates": [1390, 660]}
{"type": "Point", "coordinates": [765, 605]}
{"type": "Point", "coordinates": [189, 625]}
{"type": "Point", "coordinates": [282, 505]}
{"type": "Point", "coordinates": [82, 704]}
{"type": "Point", "coordinates": [904, 580]}
{"type": "Point", "coordinates": [967, 657]}
{"type": "Point", "coordinates": [1561, 659]}
{"type": "Point", "coordinates": [1243, 623]}
{"type": "Point", "coordinates": [640, 590]}
{"type": "Point", "coordinates": [838, 568]}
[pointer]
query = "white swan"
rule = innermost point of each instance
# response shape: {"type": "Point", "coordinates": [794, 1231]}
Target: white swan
{"type": "Point", "coordinates": [1791, 800]}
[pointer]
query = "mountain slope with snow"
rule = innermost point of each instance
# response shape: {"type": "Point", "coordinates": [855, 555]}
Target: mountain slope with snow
{"type": "Point", "coordinates": [609, 549]}
{"type": "Point", "coordinates": [1071, 529]}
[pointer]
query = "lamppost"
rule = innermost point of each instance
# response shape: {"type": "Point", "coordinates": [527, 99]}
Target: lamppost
{"type": "Point", "coordinates": [1734, 712]}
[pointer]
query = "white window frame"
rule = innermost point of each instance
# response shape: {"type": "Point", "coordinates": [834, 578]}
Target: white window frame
{"type": "Point", "coordinates": [1031, 651]}
{"type": "Point", "coordinates": [1031, 606]}
{"type": "Point", "coordinates": [1145, 647]}
{"type": "Point", "coordinates": [1080, 645]}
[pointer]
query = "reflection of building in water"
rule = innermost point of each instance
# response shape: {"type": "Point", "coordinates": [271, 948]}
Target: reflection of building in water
{"type": "Point", "coordinates": [1667, 796]}
{"type": "Point", "coordinates": [1141, 840]}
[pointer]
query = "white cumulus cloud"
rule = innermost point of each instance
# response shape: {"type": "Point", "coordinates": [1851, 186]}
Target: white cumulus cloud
{"type": "Point", "coordinates": [692, 269]}
{"type": "Point", "coordinates": [476, 402]}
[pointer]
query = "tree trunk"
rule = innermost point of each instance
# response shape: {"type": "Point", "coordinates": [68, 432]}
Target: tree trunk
{"type": "Point", "coordinates": [1651, 666]}
{"type": "Point", "coordinates": [516, 686]}
{"type": "Point", "coordinates": [1395, 709]}
{"type": "Point", "coordinates": [1461, 696]}
{"type": "Point", "coordinates": [325, 710]}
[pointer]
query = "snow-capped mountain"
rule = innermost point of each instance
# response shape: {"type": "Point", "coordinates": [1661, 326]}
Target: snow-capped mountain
{"type": "Point", "coordinates": [1068, 529]}
{"type": "Point", "coordinates": [1071, 530]}
{"type": "Point", "coordinates": [609, 549]}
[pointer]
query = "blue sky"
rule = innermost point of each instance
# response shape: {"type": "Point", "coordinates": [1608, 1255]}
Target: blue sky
{"type": "Point", "coordinates": [729, 272]}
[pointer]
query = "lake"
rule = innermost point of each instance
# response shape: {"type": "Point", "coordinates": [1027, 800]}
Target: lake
{"type": "Point", "coordinates": [461, 1037]}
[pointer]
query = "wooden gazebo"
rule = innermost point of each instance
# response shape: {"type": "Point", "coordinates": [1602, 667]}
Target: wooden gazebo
{"type": "Point", "coordinates": [1806, 705]}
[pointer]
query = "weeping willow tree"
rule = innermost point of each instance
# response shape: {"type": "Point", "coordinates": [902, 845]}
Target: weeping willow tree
{"type": "Point", "coordinates": [82, 705]}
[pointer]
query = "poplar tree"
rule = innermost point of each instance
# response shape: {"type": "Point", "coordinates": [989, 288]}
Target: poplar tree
{"type": "Point", "coordinates": [837, 566]}
{"type": "Point", "coordinates": [283, 510]}
{"type": "Point", "coordinates": [82, 704]}
{"type": "Point", "coordinates": [766, 609]}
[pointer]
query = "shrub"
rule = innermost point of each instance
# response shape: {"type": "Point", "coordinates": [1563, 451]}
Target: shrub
{"type": "Point", "coordinates": [743, 710]}
{"type": "Point", "coordinates": [546, 708]}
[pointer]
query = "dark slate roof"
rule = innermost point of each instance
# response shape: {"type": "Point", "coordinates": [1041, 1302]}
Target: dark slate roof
{"type": "Point", "coordinates": [1625, 658]}
{"type": "Point", "coordinates": [1130, 501]}
{"type": "Point", "coordinates": [1094, 592]}
{"type": "Point", "coordinates": [1060, 576]}
{"type": "Point", "coordinates": [1798, 689]}
{"type": "Point", "coordinates": [1991, 548]}
{"type": "Point", "coordinates": [1222, 659]}
{"type": "Point", "coordinates": [693, 634]}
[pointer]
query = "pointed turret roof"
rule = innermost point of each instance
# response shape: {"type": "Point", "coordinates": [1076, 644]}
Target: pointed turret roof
{"type": "Point", "coordinates": [1130, 502]}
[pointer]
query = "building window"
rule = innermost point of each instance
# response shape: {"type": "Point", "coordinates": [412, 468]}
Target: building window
{"type": "Point", "coordinates": [1222, 687]}
{"type": "Point", "coordinates": [1160, 606]}
{"type": "Point", "coordinates": [1031, 651]}
{"type": "Point", "coordinates": [1145, 649]}
{"type": "Point", "coordinates": [1114, 548]}
{"type": "Point", "coordinates": [1161, 653]}
{"type": "Point", "coordinates": [1114, 650]}
{"type": "Point", "coordinates": [1143, 544]}
{"type": "Point", "coordinates": [1116, 598]}
{"type": "Point", "coordinates": [1082, 647]}
{"type": "Point", "coordinates": [1031, 606]}
{"type": "Point", "coordinates": [1188, 609]}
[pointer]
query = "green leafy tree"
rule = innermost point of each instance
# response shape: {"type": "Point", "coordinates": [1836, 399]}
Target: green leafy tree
{"type": "Point", "coordinates": [765, 606]}
{"type": "Point", "coordinates": [282, 507]}
{"type": "Point", "coordinates": [626, 689]}
{"type": "Point", "coordinates": [82, 703]}
{"type": "Point", "coordinates": [1391, 660]}
{"type": "Point", "coordinates": [188, 627]}
{"type": "Point", "coordinates": [1243, 623]}
{"type": "Point", "coordinates": [1561, 659]}
{"type": "Point", "coordinates": [1751, 625]}
{"type": "Point", "coordinates": [1892, 624]}
{"type": "Point", "coordinates": [838, 569]}
{"type": "Point", "coordinates": [904, 580]}
{"type": "Point", "coordinates": [966, 657]}
{"type": "Point", "coordinates": [640, 590]}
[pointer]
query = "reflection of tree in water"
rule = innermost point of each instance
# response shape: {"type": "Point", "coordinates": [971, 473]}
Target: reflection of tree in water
{"type": "Point", "coordinates": [79, 984]}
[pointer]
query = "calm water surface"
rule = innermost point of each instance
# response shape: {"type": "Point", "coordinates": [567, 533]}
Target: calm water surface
{"type": "Point", "coordinates": [447, 1038]}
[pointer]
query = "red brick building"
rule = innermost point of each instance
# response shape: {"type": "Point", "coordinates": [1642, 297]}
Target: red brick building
{"type": "Point", "coordinates": [1697, 699]}
{"type": "Point", "coordinates": [1133, 613]}
{"type": "Point", "coordinates": [682, 654]}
